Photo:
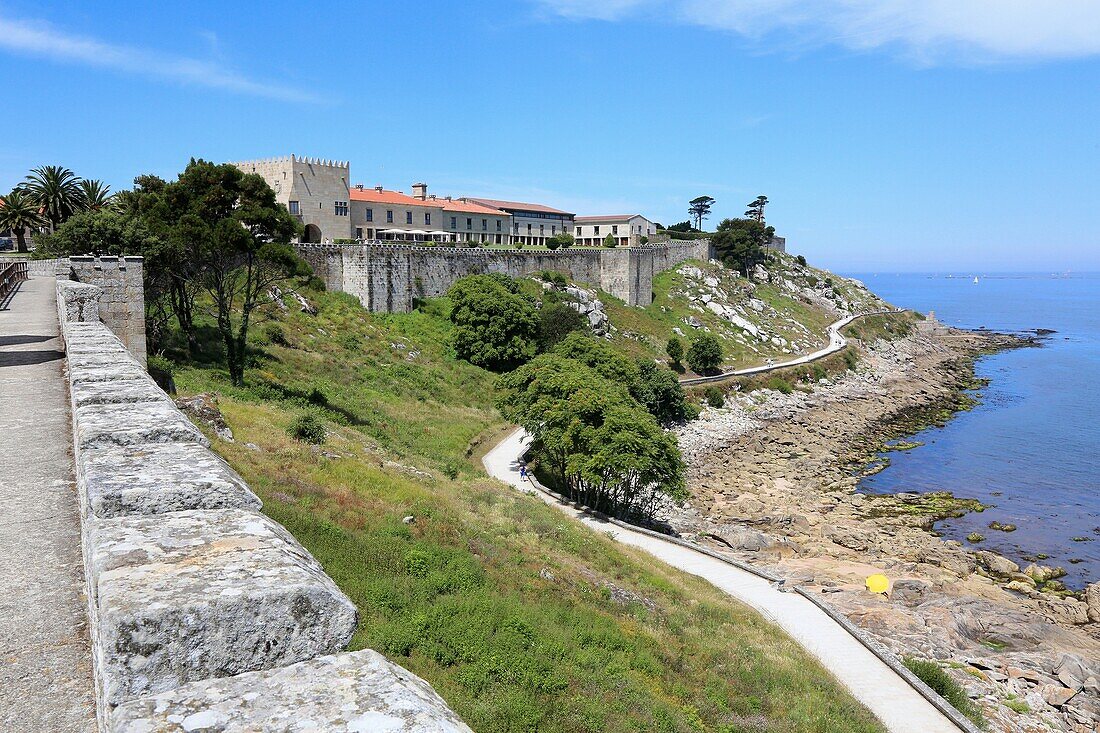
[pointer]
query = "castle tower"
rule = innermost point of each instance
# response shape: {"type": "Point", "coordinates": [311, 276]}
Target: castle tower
{"type": "Point", "coordinates": [314, 190]}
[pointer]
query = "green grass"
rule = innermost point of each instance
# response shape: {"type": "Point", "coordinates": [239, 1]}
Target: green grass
{"type": "Point", "coordinates": [520, 618]}
{"type": "Point", "coordinates": [941, 682]}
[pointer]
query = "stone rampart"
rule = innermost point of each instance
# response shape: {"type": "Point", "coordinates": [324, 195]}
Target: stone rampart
{"type": "Point", "coordinates": [122, 293]}
{"type": "Point", "coordinates": [204, 614]}
{"type": "Point", "coordinates": [388, 278]}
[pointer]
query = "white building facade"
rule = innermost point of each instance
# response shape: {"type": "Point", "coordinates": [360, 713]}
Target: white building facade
{"type": "Point", "coordinates": [627, 229]}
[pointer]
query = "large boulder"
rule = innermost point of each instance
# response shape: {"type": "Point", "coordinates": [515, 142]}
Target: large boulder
{"type": "Point", "coordinates": [996, 564]}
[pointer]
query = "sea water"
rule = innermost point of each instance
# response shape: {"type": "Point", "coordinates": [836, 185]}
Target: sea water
{"type": "Point", "coordinates": [1031, 447]}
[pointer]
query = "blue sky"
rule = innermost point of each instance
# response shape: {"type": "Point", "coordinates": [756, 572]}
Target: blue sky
{"type": "Point", "coordinates": [890, 135]}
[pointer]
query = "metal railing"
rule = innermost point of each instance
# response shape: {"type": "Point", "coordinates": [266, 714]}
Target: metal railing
{"type": "Point", "coordinates": [11, 275]}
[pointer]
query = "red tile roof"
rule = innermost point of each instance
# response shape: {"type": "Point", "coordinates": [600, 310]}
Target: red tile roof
{"type": "Point", "coordinates": [469, 207]}
{"type": "Point", "coordinates": [517, 205]}
{"type": "Point", "coordinates": [609, 217]}
{"type": "Point", "coordinates": [373, 195]}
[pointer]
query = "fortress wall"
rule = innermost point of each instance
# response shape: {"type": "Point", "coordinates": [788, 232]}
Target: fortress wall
{"type": "Point", "coordinates": [387, 278]}
{"type": "Point", "coordinates": [122, 299]}
{"type": "Point", "coordinates": [202, 609]}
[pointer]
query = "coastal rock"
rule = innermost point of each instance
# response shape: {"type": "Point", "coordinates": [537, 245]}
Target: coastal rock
{"type": "Point", "coordinates": [996, 564]}
{"type": "Point", "coordinates": [1092, 598]}
{"type": "Point", "coordinates": [1056, 695]}
{"type": "Point", "coordinates": [1063, 610]}
{"type": "Point", "coordinates": [1072, 671]}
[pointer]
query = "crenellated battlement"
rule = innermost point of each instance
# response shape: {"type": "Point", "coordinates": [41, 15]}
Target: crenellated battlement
{"type": "Point", "coordinates": [296, 159]}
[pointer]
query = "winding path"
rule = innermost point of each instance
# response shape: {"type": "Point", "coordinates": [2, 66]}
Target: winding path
{"type": "Point", "coordinates": [882, 687]}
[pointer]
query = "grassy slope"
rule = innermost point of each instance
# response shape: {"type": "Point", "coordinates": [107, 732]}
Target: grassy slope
{"type": "Point", "coordinates": [522, 620]}
{"type": "Point", "coordinates": [781, 309]}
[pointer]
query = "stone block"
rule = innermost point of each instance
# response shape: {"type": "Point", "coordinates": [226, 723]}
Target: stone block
{"type": "Point", "coordinates": [97, 426]}
{"type": "Point", "coordinates": [192, 595]}
{"type": "Point", "coordinates": [159, 478]}
{"type": "Point", "coordinates": [83, 360]}
{"type": "Point", "coordinates": [77, 301]}
{"type": "Point", "coordinates": [121, 369]}
{"type": "Point", "coordinates": [357, 691]}
{"type": "Point", "coordinates": [117, 391]}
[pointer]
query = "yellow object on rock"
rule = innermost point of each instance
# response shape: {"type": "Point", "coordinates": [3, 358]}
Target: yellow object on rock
{"type": "Point", "coordinates": [878, 583]}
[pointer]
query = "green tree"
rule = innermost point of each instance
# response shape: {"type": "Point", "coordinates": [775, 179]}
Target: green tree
{"type": "Point", "coordinates": [56, 190]}
{"type": "Point", "coordinates": [683, 226]}
{"type": "Point", "coordinates": [755, 210]}
{"type": "Point", "coordinates": [591, 438]}
{"type": "Point", "coordinates": [741, 243]}
{"type": "Point", "coordinates": [610, 240]}
{"type": "Point", "coordinates": [239, 238]}
{"type": "Point", "coordinates": [660, 393]}
{"type": "Point", "coordinates": [564, 240]}
{"type": "Point", "coordinates": [99, 232]}
{"type": "Point", "coordinates": [556, 321]}
{"type": "Point", "coordinates": [19, 212]}
{"type": "Point", "coordinates": [675, 350]}
{"type": "Point", "coordinates": [495, 327]}
{"type": "Point", "coordinates": [699, 207]}
{"type": "Point", "coordinates": [705, 354]}
{"type": "Point", "coordinates": [94, 195]}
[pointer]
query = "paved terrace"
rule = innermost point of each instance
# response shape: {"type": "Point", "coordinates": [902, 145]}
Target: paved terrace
{"type": "Point", "coordinates": [45, 659]}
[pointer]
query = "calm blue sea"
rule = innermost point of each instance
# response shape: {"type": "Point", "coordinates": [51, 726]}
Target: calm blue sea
{"type": "Point", "coordinates": [1032, 446]}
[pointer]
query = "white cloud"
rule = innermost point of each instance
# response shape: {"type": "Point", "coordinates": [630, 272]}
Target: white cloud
{"type": "Point", "coordinates": [39, 39]}
{"type": "Point", "coordinates": [928, 31]}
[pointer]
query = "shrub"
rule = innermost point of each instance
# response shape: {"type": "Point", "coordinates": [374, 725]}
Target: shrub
{"type": "Point", "coordinates": [780, 385]}
{"type": "Point", "coordinates": [610, 241]}
{"type": "Point", "coordinates": [563, 239]}
{"type": "Point", "coordinates": [675, 350]}
{"type": "Point", "coordinates": [307, 428]}
{"type": "Point", "coordinates": [705, 353]}
{"type": "Point", "coordinates": [714, 397]}
{"type": "Point", "coordinates": [935, 677]}
{"type": "Point", "coordinates": [161, 370]}
{"type": "Point", "coordinates": [850, 358]}
{"type": "Point", "coordinates": [819, 372]}
{"type": "Point", "coordinates": [556, 321]}
{"type": "Point", "coordinates": [800, 260]}
{"type": "Point", "coordinates": [659, 391]}
{"type": "Point", "coordinates": [275, 335]}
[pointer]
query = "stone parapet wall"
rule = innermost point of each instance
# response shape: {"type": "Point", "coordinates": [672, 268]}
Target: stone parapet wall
{"type": "Point", "coordinates": [204, 613]}
{"type": "Point", "coordinates": [122, 301]}
{"type": "Point", "coordinates": [388, 278]}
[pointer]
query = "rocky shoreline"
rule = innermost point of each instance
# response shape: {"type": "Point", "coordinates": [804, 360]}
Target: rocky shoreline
{"type": "Point", "coordinates": [773, 479]}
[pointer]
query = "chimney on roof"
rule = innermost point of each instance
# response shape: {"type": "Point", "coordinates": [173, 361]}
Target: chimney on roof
{"type": "Point", "coordinates": [432, 197]}
{"type": "Point", "coordinates": [420, 191]}
{"type": "Point", "coordinates": [448, 198]}
{"type": "Point", "coordinates": [378, 189]}
{"type": "Point", "coordinates": [359, 186]}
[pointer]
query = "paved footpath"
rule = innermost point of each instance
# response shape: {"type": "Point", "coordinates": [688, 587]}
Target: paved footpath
{"type": "Point", "coordinates": [870, 680]}
{"type": "Point", "coordinates": [45, 660]}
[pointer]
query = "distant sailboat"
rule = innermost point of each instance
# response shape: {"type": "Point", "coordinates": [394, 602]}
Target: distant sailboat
{"type": "Point", "coordinates": [975, 280]}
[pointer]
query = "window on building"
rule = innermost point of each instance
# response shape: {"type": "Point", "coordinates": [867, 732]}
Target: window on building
{"type": "Point", "coordinates": [389, 216]}
{"type": "Point", "coordinates": [341, 208]}
{"type": "Point", "coordinates": [596, 230]}
{"type": "Point", "coordinates": [295, 208]}
{"type": "Point", "coordinates": [515, 229]}
{"type": "Point", "coordinates": [614, 228]}
{"type": "Point", "coordinates": [528, 228]}
{"type": "Point", "coordinates": [427, 217]}
{"type": "Point", "coordinates": [554, 230]}
{"type": "Point", "coordinates": [498, 229]}
{"type": "Point", "coordinates": [358, 232]}
{"type": "Point", "coordinates": [408, 217]}
{"type": "Point", "coordinates": [469, 223]}
{"type": "Point", "coordinates": [454, 222]}
{"type": "Point", "coordinates": [370, 214]}
{"type": "Point", "coordinates": [484, 225]}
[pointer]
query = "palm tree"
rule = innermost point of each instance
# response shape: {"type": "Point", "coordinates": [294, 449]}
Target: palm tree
{"type": "Point", "coordinates": [19, 212]}
{"type": "Point", "coordinates": [57, 191]}
{"type": "Point", "coordinates": [94, 195]}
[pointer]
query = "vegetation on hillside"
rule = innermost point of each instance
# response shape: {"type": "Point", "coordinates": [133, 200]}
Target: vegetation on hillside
{"type": "Point", "coordinates": [520, 619]}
